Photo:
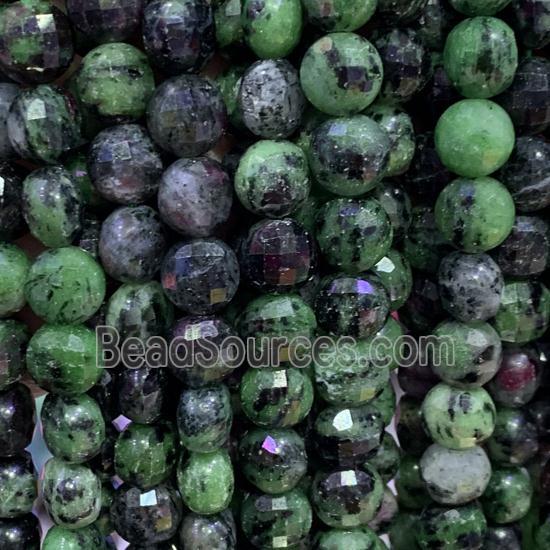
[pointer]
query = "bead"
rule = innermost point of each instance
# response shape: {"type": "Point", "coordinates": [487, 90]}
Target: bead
{"type": "Point", "coordinates": [411, 489]}
{"type": "Point", "coordinates": [400, 531]}
{"type": "Point", "coordinates": [179, 36]}
{"type": "Point", "coordinates": [76, 165]}
{"type": "Point", "coordinates": [385, 401]}
{"type": "Point", "coordinates": [16, 420]}
{"type": "Point", "coordinates": [65, 285]}
{"type": "Point", "coordinates": [17, 486]}
{"type": "Point", "coordinates": [472, 8]}
{"type": "Point", "coordinates": [386, 458]}
{"type": "Point", "coordinates": [215, 531]}
{"type": "Point", "coordinates": [339, 15]}
{"type": "Point", "coordinates": [394, 272]}
{"type": "Point", "coordinates": [228, 22]}
{"type": "Point", "coordinates": [11, 218]}
{"type": "Point", "coordinates": [532, 21]}
{"type": "Point", "coordinates": [229, 83]}
{"type": "Point", "coordinates": [397, 204]}
{"type": "Point", "coordinates": [399, 12]}
{"type": "Point", "coordinates": [341, 74]}
{"type": "Point", "coordinates": [434, 23]}
{"type": "Point", "coordinates": [14, 265]}
{"type": "Point", "coordinates": [22, 533]}
{"type": "Point", "coordinates": [206, 482]}
{"type": "Point", "coordinates": [13, 343]}
{"type": "Point", "coordinates": [500, 537]}
{"type": "Point", "coordinates": [423, 310]}
{"type": "Point", "coordinates": [8, 92]}
{"type": "Point", "coordinates": [384, 518]}
{"type": "Point", "coordinates": [410, 429]}
{"type": "Point", "coordinates": [417, 380]}
{"type": "Point", "coordinates": [64, 359]}
{"type": "Point", "coordinates": [195, 197]}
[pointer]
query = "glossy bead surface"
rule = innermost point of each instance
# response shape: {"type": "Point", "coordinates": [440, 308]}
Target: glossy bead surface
{"type": "Point", "coordinates": [339, 15]}
{"type": "Point", "coordinates": [74, 539]}
{"type": "Point", "coordinates": [17, 486]}
{"type": "Point", "coordinates": [15, 267]}
{"type": "Point", "coordinates": [395, 273]}
{"type": "Point", "coordinates": [21, 533]}
{"type": "Point", "coordinates": [13, 344]}
{"type": "Point", "coordinates": [215, 531]}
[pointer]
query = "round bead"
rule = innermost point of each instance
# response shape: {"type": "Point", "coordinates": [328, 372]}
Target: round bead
{"type": "Point", "coordinates": [17, 486]}
{"type": "Point", "coordinates": [434, 23]}
{"type": "Point", "coordinates": [14, 266]}
{"type": "Point", "coordinates": [16, 420]}
{"type": "Point", "coordinates": [270, 99]}
{"type": "Point", "coordinates": [532, 21]}
{"type": "Point", "coordinates": [501, 537]}
{"type": "Point", "coordinates": [475, 215]}
{"type": "Point", "coordinates": [339, 15]}
{"type": "Point", "coordinates": [23, 533]}
{"type": "Point", "coordinates": [352, 539]}
{"type": "Point", "coordinates": [394, 272]}
{"type": "Point", "coordinates": [467, 123]}
{"type": "Point", "coordinates": [411, 489]}
{"type": "Point", "coordinates": [65, 285]}
{"type": "Point", "coordinates": [214, 531]}
{"type": "Point", "coordinates": [458, 419]}
{"type": "Point", "coordinates": [399, 12]}
{"type": "Point", "coordinates": [141, 394]}
{"type": "Point", "coordinates": [85, 537]}
{"type": "Point", "coordinates": [13, 343]}
{"type": "Point", "coordinates": [472, 8]}
{"type": "Point", "coordinates": [341, 74]}
{"type": "Point", "coordinates": [11, 218]}
{"type": "Point", "coordinates": [132, 244]}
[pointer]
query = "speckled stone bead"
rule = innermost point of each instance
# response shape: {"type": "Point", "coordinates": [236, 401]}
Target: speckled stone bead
{"type": "Point", "coordinates": [36, 41]}
{"type": "Point", "coordinates": [466, 355]}
{"type": "Point", "coordinates": [474, 137]}
{"type": "Point", "coordinates": [434, 23]}
{"type": "Point", "coordinates": [13, 343]}
{"type": "Point", "coordinates": [475, 7]}
{"type": "Point", "coordinates": [532, 21]}
{"type": "Point", "coordinates": [455, 477]}
{"type": "Point", "coordinates": [272, 28]}
{"type": "Point", "coordinates": [273, 460]}
{"type": "Point", "coordinates": [73, 427]}
{"type": "Point", "coordinates": [132, 244]}
{"type": "Point", "coordinates": [397, 204]}
{"type": "Point", "coordinates": [8, 92]}
{"type": "Point", "coordinates": [195, 197]}
{"type": "Point", "coordinates": [470, 286]}
{"type": "Point", "coordinates": [17, 486]}
{"type": "Point", "coordinates": [411, 489]}
{"type": "Point", "coordinates": [526, 250]}
{"type": "Point", "coordinates": [124, 164]}
{"type": "Point", "coordinates": [399, 12]}
{"type": "Point", "coordinates": [524, 99]}
{"type": "Point", "coordinates": [394, 272]}
{"type": "Point", "coordinates": [272, 179]}
{"type": "Point", "coordinates": [65, 285]}
{"type": "Point", "coordinates": [179, 36]}
{"type": "Point", "coordinates": [276, 398]}
{"type": "Point", "coordinates": [452, 528]}
{"type": "Point", "coordinates": [501, 537]}
{"type": "Point", "coordinates": [347, 498]}
{"type": "Point", "coordinates": [11, 218]}
{"type": "Point", "coordinates": [458, 419]}
{"type": "Point", "coordinates": [146, 517]}
{"type": "Point", "coordinates": [481, 57]}
{"type": "Point", "coordinates": [228, 22]}
{"type": "Point", "coordinates": [145, 455]}
{"type": "Point", "coordinates": [22, 534]}
{"type": "Point", "coordinates": [63, 359]}
{"type": "Point", "coordinates": [341, 74]}
{"type": "Point", "coordinates": [68, 539]}
{"type": "Point", "coordinates": [71, 493]}
{"type": "Point", "coordinates": [206, 482]}
{"type": "Point", "coordinates": [508, 495]}
{"type": "Point", "coordinates": [14, 265]}
{"type": "Point", "coordinates": [346, 437]}
{"type": "Point", "coordinates": [141, 394]}
{"type": "Point", "coordinates": [270, 99]}
{"type": "Point", "coordinates": [524, 311]}
{"type": "Point", "coordinates": [276, 521]}
{"type": "Point", "coordinates": [349, 156]}
{"type": "Point", "coordinates": [386, 457]}
{"type": "Point", "coordinates": [352, 539]}
{"type": "Point", "coordinates": [115, 83]}
{"type": "Point", "coordinates": [351, 306]}
{"type": "Point", "coordinates": [16, 420]}
{"type": "Point", "coordinates": [475, 215]}
{"type": "Point", "coordinates": [339, 15]}
{"type": "Point", "coordinates": [407, 66]}
{"type": "Point", "coordinates": [216, 531]}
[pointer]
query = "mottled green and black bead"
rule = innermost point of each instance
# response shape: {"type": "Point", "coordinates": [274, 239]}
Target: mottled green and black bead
{"type": "Point", "coordinates": [228, 22]}
{"type": "Point", "coordinates": [65, 285]}
{"type": "Point", "coordinates": [341, 74]}
{"type": "Point", "coordinates": [64, 358]}
{"type": "Point", "coordinates": [400, 12]}
{"type": "Point", "coordinates": [397, 204]}
{"type": "Point", "coordinates": [411, 489]}
{"type": "Point", "coordinates": [84, 538]}
{"type": "Point", "coordinates": [351, 539]}
{"type": "Point", "coordinates": [458, 419]}
{"type": "Point", "coordinates": [349, 156]}
{"type": "Point", "coordinates": [395, 274]}
{"type": "Point", "coordinates": [339, 15]}
{"type": "Point", "coordinates": [217, 531]}
{"type": "Point", "coordinates": [435, 21]}
{"type": "Point", "coordinates": [206, 482]}
{"type": "Point", "coordinates": [12, 224]}
{"type": "Point", "coordinates": [13, 343]}
{"type": "Point", "coordinates": [385, 402]}
{"type": "Point", "coordinates": [478, 7]}
{"type": "Point", "coordinates": [14, 266]}
{"type": "Point", "coordinates": [17, 486]}
{"type": "Point", "coordinates": [386, 458]}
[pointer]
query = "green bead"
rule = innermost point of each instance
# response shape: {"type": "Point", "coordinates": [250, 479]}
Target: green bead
{"type": "Point", "coordinates": [402, 529]}
{"type": "Point", "coordinates": [65, 285]}
{"type": "Point", "coordinates": [387, 458]}
{"type": "Point", "coordinates": [508, 495]}
{"type": "Point", "coordinates": [272, 179]}
{"type": "Point", "coordinates": [276, 398]}
{"type": "Point", "coordinates": [206, 482]}
{"type": "Point", "coordinates": [411, 489]}
{"type": "Point", "coordinates": [524, 312]}
{"type": "Point", "coordinates": [394, 272]}
{"type": "Point", "coordinates": [63, 359]}
{"type": "Point", "coordinates": [72, 494]}
{"type": "Point", "coordinates": [478, 7]}
{"type": "Point", "coordinates": [229, 84]}
{"type": "Point", "coordinates": [474, 137]}
{"type": "Point", "coordinates": [14, 266]}
{"type": "Point", "coordinates": [349, 156]}
{"type": "Point", "coordinates": [389, 354]}
{"type": "Point", "coordinates": [355, 539]}
{"type": "Point", "coordinates": [86, 538]}
{"type": "Point", "coordinates": [276, 521]}
{"type": "Point", "coordinates": [216, 532]}
{"type": "Point", "coordinates": [17, 486]}
{"type": "Point", "coordinates": [13, 341]}
{"type": "Point", "coordinates": [481, 57]}
{"type": "Point", "coordinates": [475, 215]}
{"type": "Point", "coordinates": [385, 401]}
{"type": "Point", "coordinates": [228, 23]}
{"type": "Point", "coordinates": [272, 28]}
{"type": "Point", "coordinates": [341, 74]}
{"type": "Point", "coordinates": [339, 15]}
{"type": "Point", "coordinates": [145, 455]}
{"type": "Point", "coordinates": [458, 419]}
{"type": "Point", "coordinates": [116, 82]}
{"type": "Point", "coordinates": [73, 427]}
{"type": "Point", "coordinates": [353, 235]}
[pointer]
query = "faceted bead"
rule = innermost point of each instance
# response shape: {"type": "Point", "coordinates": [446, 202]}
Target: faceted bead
{"type": "Point", "coordinates": [36, 41]}
{"type": "Point", "coordinates": [13, 343]}
{"type": "Point", "coordinates": [65, 285]}
{"type": "Point", "coordinates": [179, 35]}
{"type": "Point", "coordinates": [386, 458]}
{"type": "Point", "coordinates": [11, 218]}
{"type": "Point", "coordinates": [455, 477]}
{"type": "Point", "coordinates": [14, 266]}
{"type": "Point", "coordinates": [349, 156]}
{"type": "Point", "coordinates": [186, 115]}
{"type": "Point", "coordinates": [470, 286]}
{"type": "Point", "coordinates": [531, 19]}
{"type": "Point", "coordinates": [410, 429]}
{"type": "Point", "coordinates": [8, 92]}
{"type": "Point", "coordinates": [146, 517]}
{"type": "Point", "coordinates": [397, 204]}
{"type": "Point", "coordinates": [501, 537]}
{"type": "Point", "coordinates": [412, 492]}
{"type": "Point", "coordinates": [195, 197]}
{"type": "Point", "coordinates": [216, 531]}
{"type": "Point", "coordinates": [341, 74]}
{"type": "Point", "coordinates": [124, 164]}
{"type": "Point", "coordinates": [73, 427]}
{"type": "Point", "coordinates": [423, 310]}
{"type": "Point", "coordinates": [347, 498]}
{"type": "Point", "coordinates": [276, 521]}
{"type": "Point", "coordinates": [23, 533]}
{"type": "Point", "coordinates": [394, 272]}
{"type": "Point", "coordinates": [273, 460]}
{"type": "Point", "coordinates": [206, 482]}
{"type": "Point", "coordinates": [17, 486]}
{"type": "Point", "coordinates": [16, 420]}
{"type": "Point", "coordinates": [270, 100]}
{"type": "Point", "coordinates": [458, 419]}
{"type": "Point", "coordinates": [339, 15]}
{"type": "Point", "coordinates": [64, 359]}
{"type": "Point", "coordinates": [352, 539]}
{"type": "Point", "coordinates": [399, 12]}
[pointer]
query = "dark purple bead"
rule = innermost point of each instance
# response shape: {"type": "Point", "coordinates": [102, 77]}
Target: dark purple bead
{"type": "Point", "coordinates": [423, 309]}
{"type": "Point", "coordinates": [16, 419]}
{"type": "Point", "coordinates": [532, 22]}
{"type": "Point", "coordinates": [417, 380]}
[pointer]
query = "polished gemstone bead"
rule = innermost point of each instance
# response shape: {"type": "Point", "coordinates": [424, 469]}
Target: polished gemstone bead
{"type": "Point", "coordinates": [386, 458]}
{"type": "Point", "coordinates": [412, 492]}
{"type": "Point", "coordinates": [352, 539]}
{"type": "Point", "coordinates": [384, 518]}
{"type": "Point", "coordinates": [398, 12]}
{"type": "Point", "coordinates": [13, 343]}
{"type": "Point", "coordinates": [16, 420]}
{"type": "Point", "coordinates": [14, 266]}
{"type": "Point", "coordinates": [22, 533]}
{"type": "Point", "coordinates": [423, 310]}
{"type": "Point", "coordinates": [532, 21]}
{"type": "Point", "coordinates": [76, 165]}
{"type": "Point", "coordinates": [434, 23]}
{"type": "Point", "coordinates": [385, 401]}
{"type": "Point", "coordinates": [501, 537]}
{"type": "Point", "coordinates": [8, 92]}
{"type": "Point", "coordinates": [394, 272]}
{"type": "Point", "coordinates": [11, 218]}
{"type": "Point", "coordinates": [397, 204]}
{"type": "Point", "coordinates": [339, 15]}
{"type": "Point", "coordinates": [216, 531]}
{"type": "Point", "coordinates": [17, 486]}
